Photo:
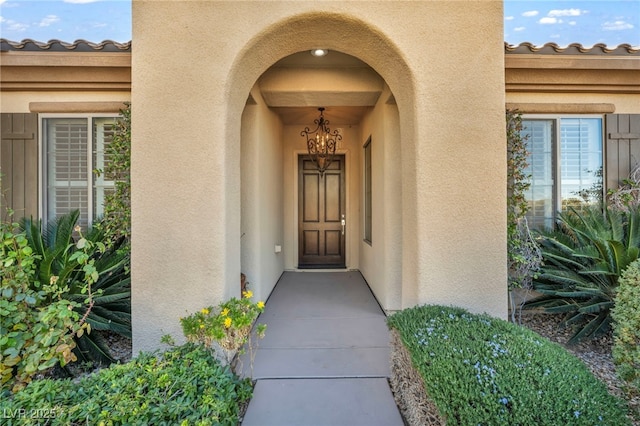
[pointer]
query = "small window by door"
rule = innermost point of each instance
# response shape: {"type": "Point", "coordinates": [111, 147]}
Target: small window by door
{"type": "Point", "coordinates": [367, 191]}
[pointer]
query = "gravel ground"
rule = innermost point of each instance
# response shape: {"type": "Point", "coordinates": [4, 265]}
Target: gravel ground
{"type": "Point", "coordinates": [120, 347]}
{"type": "Point", "coordinates": [596, 354]}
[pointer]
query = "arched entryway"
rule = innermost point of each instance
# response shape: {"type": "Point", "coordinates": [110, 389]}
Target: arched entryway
{"type": "Point", "coordinates": [282, 101]}
{"type": "Point", "coordinates": [195, 66]}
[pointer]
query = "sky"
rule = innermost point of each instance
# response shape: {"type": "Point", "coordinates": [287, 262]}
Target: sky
{"type": "Point", "coordinates": [587, 22]}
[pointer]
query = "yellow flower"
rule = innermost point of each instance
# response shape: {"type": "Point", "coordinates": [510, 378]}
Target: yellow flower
{"type": "Point", "coordinates": [247, 294]}
{"type": "Point", "coordinates": [227, 322]}
{"type": "Point", "coordinates": [201, 325]}
{"type": "Point", "coordinates": [260, 304]}
{"type": "Point", "coordinates": [205, 311]}
{"type": "Point", "coordinates": [53, 279]}
{"type": "Point", "coordinates": [225, 312]}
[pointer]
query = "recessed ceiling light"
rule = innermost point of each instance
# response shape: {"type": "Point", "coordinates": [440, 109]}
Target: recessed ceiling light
{"type": "Point", "coordinates": [319, 52]}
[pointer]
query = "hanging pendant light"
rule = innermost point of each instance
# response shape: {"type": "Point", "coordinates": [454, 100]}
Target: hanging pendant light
{"type": "Point", "coordinates": [321, 143]}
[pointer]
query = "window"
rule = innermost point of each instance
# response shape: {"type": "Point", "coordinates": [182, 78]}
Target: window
{"type": "Point", "coordinates": [565, 165]}
{"type": "Point", "coordinates": [73, 147]}
{"type": "Point", "coordinates": [367, 191]}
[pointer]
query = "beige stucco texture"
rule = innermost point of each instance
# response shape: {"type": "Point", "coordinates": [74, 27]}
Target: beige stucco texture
{"type": "Point", "coordinates": [216, 134]}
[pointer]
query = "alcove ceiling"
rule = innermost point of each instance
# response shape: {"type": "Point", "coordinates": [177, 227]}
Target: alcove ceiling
{"type": "Point", "coordinates": [297, 85]}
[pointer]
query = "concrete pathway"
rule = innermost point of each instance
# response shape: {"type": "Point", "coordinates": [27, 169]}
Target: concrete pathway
{"type": "Point", "coordinates": [325, 357]}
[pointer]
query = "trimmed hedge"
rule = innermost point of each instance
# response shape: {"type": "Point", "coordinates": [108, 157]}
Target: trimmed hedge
{"type": "Point", "coordinates": [479, 370]}
{"type": "Point", "coordinates": [626, 326]}
{"type": "Point", "coordinates": [183, 386]}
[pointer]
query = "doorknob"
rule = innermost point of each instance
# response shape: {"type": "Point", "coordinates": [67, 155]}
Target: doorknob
{"type": "Point", "coordinates": [344, 222]}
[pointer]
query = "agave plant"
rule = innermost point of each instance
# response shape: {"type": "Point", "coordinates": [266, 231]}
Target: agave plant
{"type": "Point", "coordinates": [583, 259]}
{"type": "Point", "coordinates": [111, 310]}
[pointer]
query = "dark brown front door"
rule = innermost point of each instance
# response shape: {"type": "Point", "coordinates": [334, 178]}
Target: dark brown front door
{"type": "Point", "coordinates": [321, 211]}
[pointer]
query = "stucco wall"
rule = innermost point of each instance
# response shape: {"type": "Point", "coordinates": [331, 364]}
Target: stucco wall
{"type": "Point", "coordinates": [193, 66]}
{"type": "Point", "coordinates": [262, 197]}
{"type": "Point", "coordinates": [381, 260]}
{"type": "Point", "coordinates": [623, 103]}
{"type": "Point", "coordinates": [19, 101]}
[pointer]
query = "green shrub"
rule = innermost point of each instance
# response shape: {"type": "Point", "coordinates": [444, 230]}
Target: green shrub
{"type": "Point", "coordinates": [37, 324]}
{"type": "Point", "coordinates": [110, 305]}
{"type": "Point", "coordinates": [183, 386]}
{"type": "Point", "coordinates": [229, 324]}
{"type": "Point", "coordinates": [626, 326]}
{"type": "Point", "coordinates": [482, 370]}
{"type": "Point", "coordinates": [116, 222]}
{"type": "Point", "coordinates": [583, 259]}
{"type": "Point", "coordinates": [523, 255]}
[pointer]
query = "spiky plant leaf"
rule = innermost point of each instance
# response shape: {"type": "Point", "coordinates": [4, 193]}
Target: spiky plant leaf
{"type": "Point", "coordinates": [583, 259]}
{"type": "Point", "coordinates": [54, 242]}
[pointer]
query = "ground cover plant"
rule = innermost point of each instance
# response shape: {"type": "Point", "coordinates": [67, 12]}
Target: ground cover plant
{"type": "Point", "coordinates": [182, 386]}
{"type": "Point", "coordinates": [583, 259]}
{"type": "Point", "coordinates": [482, 370]}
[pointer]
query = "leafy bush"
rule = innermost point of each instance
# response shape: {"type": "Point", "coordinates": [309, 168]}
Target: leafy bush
{"type": "Point", "coordinates": [583, 259]}
{"type": "Point", "coordinates": [182, 386]}
{"type": "Point", "coordinates": [116, 222]}
{"type": "Point", "coordinates": [37, 323]}
{"type": "Point", "coordinates": [482, 370]}
{"type": "Point", "coordinates": [626, 327]}
{"type": "Point", "coordinates": [57, 256]}
{"type": "Point", "coordinates": [524, 257]}
{"type": "Point", "coordinates": [229, 324]}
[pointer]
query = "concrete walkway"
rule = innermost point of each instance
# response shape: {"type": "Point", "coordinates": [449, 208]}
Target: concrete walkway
{"type": "Point", "coordinates": [325, 357]}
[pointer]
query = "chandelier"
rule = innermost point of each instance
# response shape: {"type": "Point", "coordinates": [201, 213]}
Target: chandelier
{"type": "Point", "coordinates": [321, 143]}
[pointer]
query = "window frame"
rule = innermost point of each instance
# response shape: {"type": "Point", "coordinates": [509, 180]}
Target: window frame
{"type": "Point", "coordinates": [557, 153]}
{"type": "Point", "coordinates": [43, 165]}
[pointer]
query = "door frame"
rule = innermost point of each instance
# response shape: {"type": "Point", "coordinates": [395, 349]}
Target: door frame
{"type": "Point", "coordinates": [294, 225]}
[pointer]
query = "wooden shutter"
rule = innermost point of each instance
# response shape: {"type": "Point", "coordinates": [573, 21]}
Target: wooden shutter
{"type": "Point", "coordinates": [19, 163]}
{"type": "Point", "coordinates": [622, 136]}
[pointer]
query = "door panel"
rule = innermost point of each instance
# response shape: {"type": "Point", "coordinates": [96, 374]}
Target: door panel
{"type": "Point", "coordinates": [311, 242]}
{"type": "Point", "coordinates": [321, 241]}
{"type": "Point", "coordinates": [311, 198]}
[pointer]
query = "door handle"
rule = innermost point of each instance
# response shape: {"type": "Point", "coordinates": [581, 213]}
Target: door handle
{"type": "Point", "coordinates": [344, 222]}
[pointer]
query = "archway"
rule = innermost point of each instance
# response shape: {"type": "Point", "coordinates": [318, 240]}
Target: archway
{"type": "Point", "coordinates": [300, 34]}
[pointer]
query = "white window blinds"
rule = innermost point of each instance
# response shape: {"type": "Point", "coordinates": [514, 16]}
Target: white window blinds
{"type": "Point", "coordinates": [565, 165]}
{"type": "Point", "coordinates": [72, 153]}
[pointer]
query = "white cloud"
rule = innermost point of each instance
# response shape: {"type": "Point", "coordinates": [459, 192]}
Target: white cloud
{"type": "Point", "coordinates": [554, 36]}
{"type": "Point", "coordinates": [48, 20]}
{"type": "Point", "coordinates": [2, 19]}
{"type": "Point", "coordinates": [573, 23]}
{"type": "Point", "coordinates": [616, 26]}
{"type": "Point", "coordinates": [519, 28]}
{"type": "Point", "coordinates": [506, 18]}
{"type": "Point", "coordinates": [530, 13]}
{"type": "Point", "coordinates": [565, 12]}
{"type": "Point", "coordinates": [549, 20]}
{"type": "Point", "coordinates": [15, 26]}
